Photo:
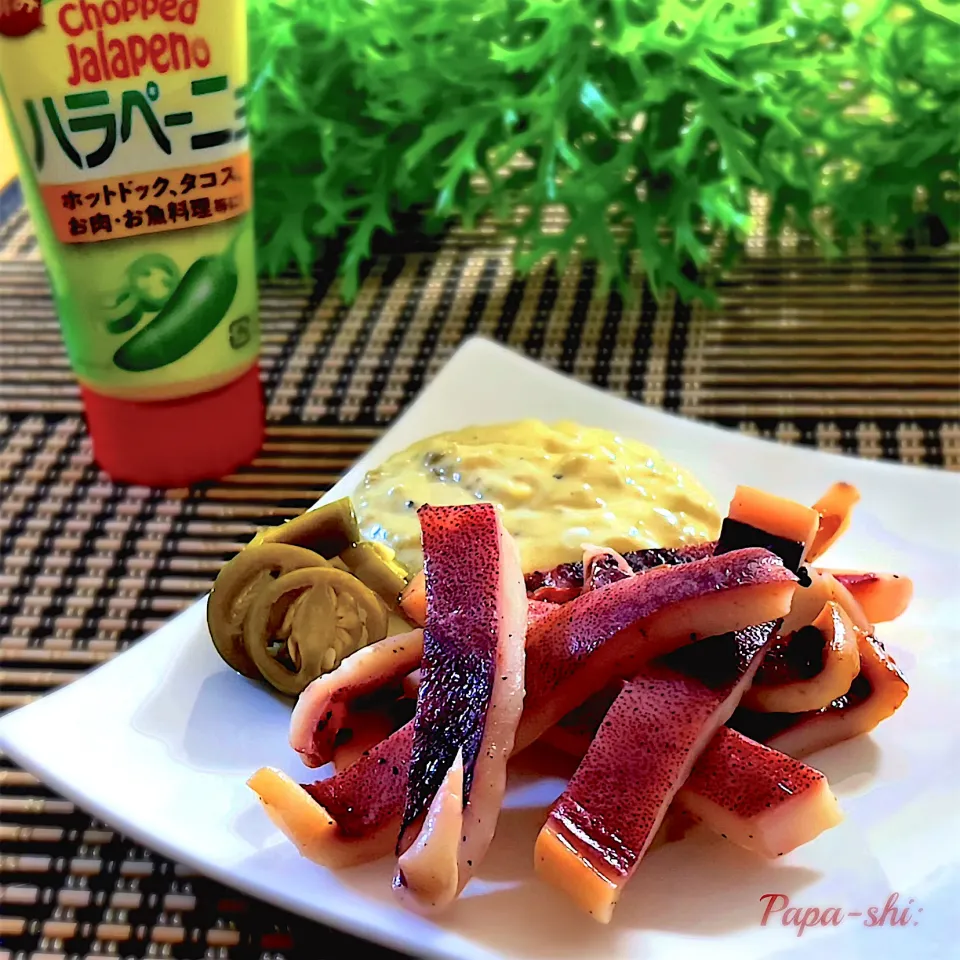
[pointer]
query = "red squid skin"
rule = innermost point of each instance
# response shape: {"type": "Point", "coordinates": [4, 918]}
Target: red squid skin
{"type": "Point", "coordinates": [599, 829]}
{"type": "Point", "coordinates": [469, 701]}
{"type": "Point", "coordinates": [572, 652]}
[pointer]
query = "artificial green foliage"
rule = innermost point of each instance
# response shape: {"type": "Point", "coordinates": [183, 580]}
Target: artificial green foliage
{"type": "Point", "coordinates": [650, 122]}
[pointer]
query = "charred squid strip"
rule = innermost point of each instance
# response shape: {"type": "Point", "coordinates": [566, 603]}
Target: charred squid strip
{"type": "Point", "coordinates": [877, 693]}
{"type": "Point", "coordinates": [365, 727]}
{"type": "Point", "coordinates": [307, 824]}
{"type": "Point", "coordinates": [368, 724]}
{"type": "Point", "coordinates": [599, 830]}
{"type": "Point", "coordinates": [350, 818]}
{"type": "Point", "coordinates": [835, 509]}
{"type": "Point", "coordinates": [603, 566]}
{"type": "Point", "coordinates": [572, 733]}
{"type": "Point", "coordinates": [320, 712]}
{"type": "Point", "coordinates": [565, 582]}
{"type": "Point", "coordinates": [410, 685]}
{"type": "Point", "coordinates": [756, 797]}
{"type": "Point", "coordinates": [847, 602]}
{"type": "Point", "coordinates": [537, 610]}
{"type": "Point", "coordinates": [808, 669]}
{"type": "Point", "coordinates": [760, 519]}
{"type": "Point", "coordinates": [468, 704]}
{"type": "Point", "coordinates": [667, 606]}
{"type": "Point", "coordinates": [784, 519]}
{"type": "Point", "coordinates": [614, 631]}
{"type": "Point", "coordinates": [429, 869]}
{"type": "Point", "coordinates": [882, 596]}
{"type": "Point", "coordinates": [413, 600]}
{"type": "Point", "coordinates": [750, 794]}
{"type": "Point", "coordinates": [808, 600]}
{"type": "Point", "coordinates": [643, 561]}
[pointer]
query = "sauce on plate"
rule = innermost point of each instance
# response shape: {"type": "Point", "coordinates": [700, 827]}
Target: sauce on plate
{"type": "Point", "coordinates": [557, 486]}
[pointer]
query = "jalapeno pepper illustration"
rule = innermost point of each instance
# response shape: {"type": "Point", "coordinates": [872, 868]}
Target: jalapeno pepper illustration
{"type": "Point", "coordinates": [150, 280]}
{"type": "Point", "coordinates": [193, 311]}
{"type": "Point", "coordinates": [126, 312]}
{"type": "Point", "coordinates": [153, 278]}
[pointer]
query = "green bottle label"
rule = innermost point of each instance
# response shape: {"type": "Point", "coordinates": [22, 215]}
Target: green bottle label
{"type": "Point", "coordinates": [129, 117]}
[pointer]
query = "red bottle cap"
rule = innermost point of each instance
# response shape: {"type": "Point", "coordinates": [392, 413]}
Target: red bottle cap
{"type": "Point", "coordinates": [172, 443]}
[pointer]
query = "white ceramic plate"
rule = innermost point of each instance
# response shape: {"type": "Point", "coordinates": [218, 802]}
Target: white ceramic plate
{"type": "Point", "coordinates": [160, 740]}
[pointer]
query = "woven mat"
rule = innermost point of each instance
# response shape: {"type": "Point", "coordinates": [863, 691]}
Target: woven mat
{"type": "Point", "coordinates": [858, 355]}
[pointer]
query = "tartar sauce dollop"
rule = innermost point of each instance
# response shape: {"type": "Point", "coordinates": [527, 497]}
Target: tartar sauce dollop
{"type": "Point", "coordinates": [556, 485]}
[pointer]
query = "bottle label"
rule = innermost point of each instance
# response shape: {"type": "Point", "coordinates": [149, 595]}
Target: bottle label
{"type": "Point", "coordinates": [91, 210]}
{"type": "Point", "coordinates": [130, 120]}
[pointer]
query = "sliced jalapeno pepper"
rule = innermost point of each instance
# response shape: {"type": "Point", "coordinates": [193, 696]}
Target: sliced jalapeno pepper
{"type": "Point", "coordinates": [194, 310]}
{"type": "Point", "coordinates": [142, 292]}
{"type": "Point", "coordinates": [379, 572]}
{"type": "Point", "coordinates": [126, 311]}
{"type": "Point", "coordinates": [241, 580]}
{"type": "Point", "coordinates": [142, 278]}
{"type": "Point", "coordinates": [328, 530]}
{"type": "Point", "coordinates": [306, 622]}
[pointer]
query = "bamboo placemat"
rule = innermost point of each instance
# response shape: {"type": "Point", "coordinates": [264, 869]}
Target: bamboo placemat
{"type": "Point", "coordinates": [858, 355]}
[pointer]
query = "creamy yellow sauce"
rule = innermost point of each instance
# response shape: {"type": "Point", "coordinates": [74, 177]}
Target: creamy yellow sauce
{"type": "Point", "coordinates": [557, 486]}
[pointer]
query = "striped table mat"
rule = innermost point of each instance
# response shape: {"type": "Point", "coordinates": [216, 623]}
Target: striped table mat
{"type": "Point", "coordinates": [858, 355]}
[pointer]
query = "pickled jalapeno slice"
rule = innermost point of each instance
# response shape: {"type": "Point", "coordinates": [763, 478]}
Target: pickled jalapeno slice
{"type": "Point", "coordinates": [306, 622]}
{"type": "Point", "coordinates": [328, 530]}
{"type": "Point", "coordinates": [382, 574]}
{"type": "Point", "coordinates": [239, 581]}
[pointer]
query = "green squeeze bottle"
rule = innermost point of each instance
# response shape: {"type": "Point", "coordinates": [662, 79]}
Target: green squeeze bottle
{"type": "Point", "coordinates": [128, 117]}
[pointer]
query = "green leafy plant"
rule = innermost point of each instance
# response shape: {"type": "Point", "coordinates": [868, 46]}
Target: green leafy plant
{"type": "Point", "coordinates": [649, 123]}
